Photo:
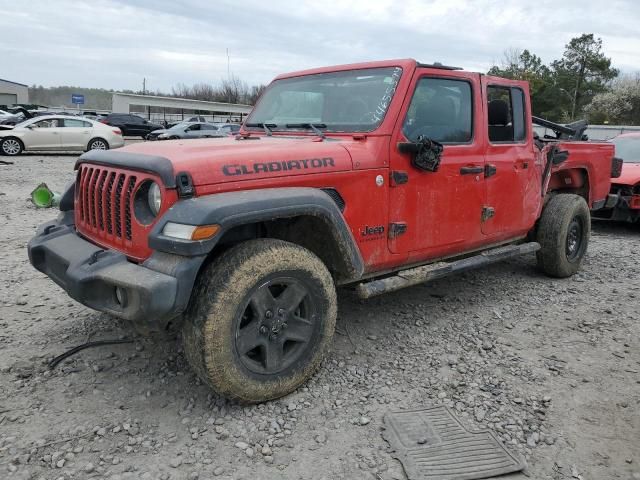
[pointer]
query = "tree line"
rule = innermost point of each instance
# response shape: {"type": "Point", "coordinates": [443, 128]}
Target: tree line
{"type": "Point", "coordinates": [581, 84]}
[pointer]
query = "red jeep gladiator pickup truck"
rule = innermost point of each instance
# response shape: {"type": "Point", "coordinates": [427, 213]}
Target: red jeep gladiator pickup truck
{"type": "Point", "coordinates": [378, 175]}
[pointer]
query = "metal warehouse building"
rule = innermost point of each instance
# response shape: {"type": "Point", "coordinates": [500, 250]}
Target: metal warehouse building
{"type": "Point", "coordinates": [12, 93]}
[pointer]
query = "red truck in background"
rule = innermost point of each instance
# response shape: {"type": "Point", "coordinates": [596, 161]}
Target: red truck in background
{"type": "Point", "coordinates": [376, 176]}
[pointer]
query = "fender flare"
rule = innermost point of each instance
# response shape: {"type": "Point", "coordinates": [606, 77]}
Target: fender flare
{"type": "Point", "coordinates": [233, 209]}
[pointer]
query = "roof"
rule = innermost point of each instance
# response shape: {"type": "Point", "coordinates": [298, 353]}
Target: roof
{"type": "Point", "coordinates": [158, 97]}
{"type": "Point", "coordinates": [14, 83]}
{"type": "Point", "coordinates": [404, 63]}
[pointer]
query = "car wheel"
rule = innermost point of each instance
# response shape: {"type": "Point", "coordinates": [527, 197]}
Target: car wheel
{"type": "Point", "coordinates": [11, 146]}
{"type": "Point", "coordinates": [98, 144]}
{"type": "Point", "coordinates": [563, 234]}
{"type": "Point", "coordinates": [260, 319]}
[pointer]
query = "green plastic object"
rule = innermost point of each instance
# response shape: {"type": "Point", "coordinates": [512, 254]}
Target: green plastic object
{"type": "Point", "coordinates": [43, 197]}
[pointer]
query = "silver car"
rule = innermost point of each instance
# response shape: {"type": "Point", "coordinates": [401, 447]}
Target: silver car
{"type": "Point", "coordinates": [58, 132]}
{"type": "Point", "coordinates": [191, 130]}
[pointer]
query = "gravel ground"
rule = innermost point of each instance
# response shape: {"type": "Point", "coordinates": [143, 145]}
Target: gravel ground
{"type": "Point", "coordinates": [551, 365]}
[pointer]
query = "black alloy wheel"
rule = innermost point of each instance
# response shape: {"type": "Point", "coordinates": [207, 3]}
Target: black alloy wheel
{"type": "Point", "coordinates": [574, 239]}
{"type": "Point", "coordinates": [275, 325]}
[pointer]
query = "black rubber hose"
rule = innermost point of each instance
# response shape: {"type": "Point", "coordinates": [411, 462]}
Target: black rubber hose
{"type": "Point", "coordinates": [53, 363]}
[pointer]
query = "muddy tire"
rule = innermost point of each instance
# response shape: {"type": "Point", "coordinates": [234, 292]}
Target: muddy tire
{"type": "Point", "coordinates": [260, 319]}
{"type": "Point", "coordinates": [563, 234]}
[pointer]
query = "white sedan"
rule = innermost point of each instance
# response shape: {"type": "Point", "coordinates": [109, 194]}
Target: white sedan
{"type": "Point", "coordinates": [59, 132]}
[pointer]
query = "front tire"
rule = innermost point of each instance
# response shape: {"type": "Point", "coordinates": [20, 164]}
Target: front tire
{"type": "Point", "coordinates": [260, 320]}
{"type": "Point", "coordinates": [11, 146]}
{"type": "Point", "coordinates": [563, 234]}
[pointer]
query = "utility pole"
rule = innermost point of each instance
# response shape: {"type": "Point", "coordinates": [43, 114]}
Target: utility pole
{"type": "Point", "coordinates": [144, 92]}
{"type": "Point", "coordinates": [229, 76]}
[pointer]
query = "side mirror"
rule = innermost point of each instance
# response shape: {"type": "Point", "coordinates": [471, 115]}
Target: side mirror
{"type": "Point", "coordinates": [30, 127]}
{"type": "Point", "coordinates": [426, 153]}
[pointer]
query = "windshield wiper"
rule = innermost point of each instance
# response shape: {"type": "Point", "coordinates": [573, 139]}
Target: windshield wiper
{"type": "Point", "coordinates": [313, 126]}
{"type": "Point", "coordinates": [266, 126]}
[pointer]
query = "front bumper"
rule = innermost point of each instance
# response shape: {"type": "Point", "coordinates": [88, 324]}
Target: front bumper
{"type": "Point", "coordinates": [153, 292]}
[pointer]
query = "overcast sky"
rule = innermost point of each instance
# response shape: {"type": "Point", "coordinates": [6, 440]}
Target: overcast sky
{"type": "Point", "coordinates": [115, 43]}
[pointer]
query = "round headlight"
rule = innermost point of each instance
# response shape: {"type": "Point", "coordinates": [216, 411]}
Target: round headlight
{"type": "Point", "coordinates": [155, 198]}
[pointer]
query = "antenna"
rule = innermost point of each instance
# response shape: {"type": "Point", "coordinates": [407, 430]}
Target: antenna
{"type": "Point", "coordinates": [228, 65]}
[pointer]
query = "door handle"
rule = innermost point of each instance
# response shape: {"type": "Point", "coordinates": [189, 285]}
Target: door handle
{"type": "Point", "coordinates": [471, 170]}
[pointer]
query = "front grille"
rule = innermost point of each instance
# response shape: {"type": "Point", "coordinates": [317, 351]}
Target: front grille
{"type": "Point", "coordinates": [103, 202]}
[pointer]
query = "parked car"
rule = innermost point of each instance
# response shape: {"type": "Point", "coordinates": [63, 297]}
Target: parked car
{"type": "Point", "coordinates": [16, 115]}
{"type": "Point", "coordinates": [191, 130]}
{"type": "Point", "coordinates": [627, 185]}
{"type": "Point", "coordinates": [377, 176]}
{"type": "Point", "coordinates": [154, 135]}
{"type": "Point", "coordinates": [228, 128]}
{"type": "Point", "coordinates": [197, 118]}
{"type": "Point", "coordinates": [59, 132]}
{"type": "Point", "coordinates": [130, 125]}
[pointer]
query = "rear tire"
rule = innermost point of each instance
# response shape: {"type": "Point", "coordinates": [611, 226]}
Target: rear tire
{"type": "Point", "coordinates": [563, 234]}
{"type": "Point", "coordinates": [11, 146]}
{"type": "Point", "coordinates": [260, 319]}
{"type": "Point", "coordinates": [98, 144]}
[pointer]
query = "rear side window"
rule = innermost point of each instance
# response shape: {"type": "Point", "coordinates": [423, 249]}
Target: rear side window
{"type": "Point", "coordinates": [68, 122]}
{"type": "Point", "coordinates": [506, 114]}
{"type": "Point", "coordinates": [441, 110]}
{"type": "Point", "coordinates": [206, 126]}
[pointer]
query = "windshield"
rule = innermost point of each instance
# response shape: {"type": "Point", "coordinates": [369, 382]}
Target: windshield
{"type": "Point", "coordinates": [182, 125]}
{"type": "Point", "coordinates": [349, 101]}
{"type": "Point", "coordinates": [628, 149]}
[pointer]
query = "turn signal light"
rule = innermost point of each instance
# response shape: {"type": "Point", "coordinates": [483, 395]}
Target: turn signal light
{"type": "Point", "coordinates": [190, 232]}
{"type": "Point", "coordinates": [203, 232]}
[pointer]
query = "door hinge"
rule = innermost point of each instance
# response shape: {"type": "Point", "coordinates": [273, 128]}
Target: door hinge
{"type": "Point", "coordinates": [397, 229]}
{"type": "Point", "coordinates": [185, 185]}
{"type": "Point", "coordinates": [489, 170]}
{"type": "Point", "coordinates": [487, 213]}
{"type": "Point", "coordinates": [398, 177]}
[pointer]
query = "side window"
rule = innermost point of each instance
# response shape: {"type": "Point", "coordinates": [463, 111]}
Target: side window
{"type": "Point", "coordinates": [136, 119]}
{"type": "Point", "coordinates": [51, 123]}
{"type": "Point", "coordinates": [441, 110]}
{"type": "Point", "coordinates": [506, 114]}
{"type": "Point", "coordinates": [206, 126]}
{"type": "Point", "coordinates": [68, 122]}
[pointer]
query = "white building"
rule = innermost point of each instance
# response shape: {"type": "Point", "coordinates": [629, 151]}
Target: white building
{"type": "Point", "coordinates": [12, 93]}
{"type": "Point", "coordinates": [172, 109]}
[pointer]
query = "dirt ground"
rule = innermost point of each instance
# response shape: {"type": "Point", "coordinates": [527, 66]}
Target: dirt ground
{"type": "Point", "coordinates": [552, 366]}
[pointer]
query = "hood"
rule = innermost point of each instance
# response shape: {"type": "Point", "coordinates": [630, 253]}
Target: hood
{"type": "Point", "coordinates": [630, 174]}
{"type": "Point", "coordinates": [211, 161]}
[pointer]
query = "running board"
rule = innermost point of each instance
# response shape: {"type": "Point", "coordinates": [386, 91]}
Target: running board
{"type": "Point", "coordinates": [426, 273]}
